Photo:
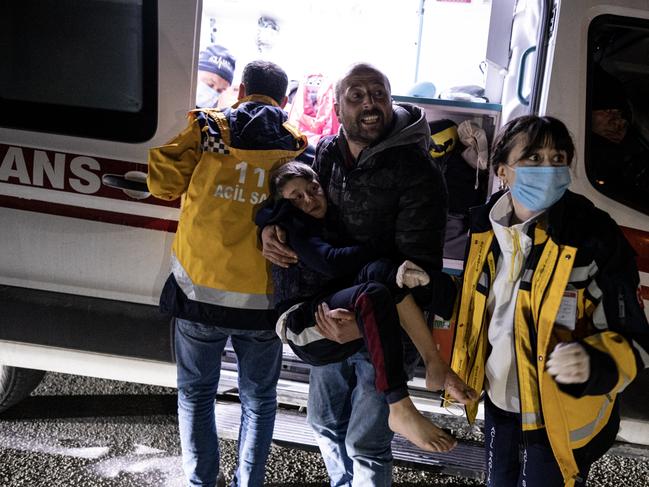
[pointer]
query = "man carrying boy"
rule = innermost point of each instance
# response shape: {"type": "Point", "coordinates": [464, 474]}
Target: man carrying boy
{"type": "Point", "coordinates": [379, 177]}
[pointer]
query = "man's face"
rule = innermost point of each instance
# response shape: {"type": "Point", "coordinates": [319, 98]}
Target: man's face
{"type": "Point", "coordinates": [610, 124]}
{"type": "Point", "coordinates": [213, 80]}
{"type": "Point", "coordinates": [365, 106]}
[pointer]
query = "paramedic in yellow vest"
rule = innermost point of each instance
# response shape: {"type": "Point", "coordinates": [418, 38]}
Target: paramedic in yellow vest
{"type": "Point", "coordinates": [549, 322]}
{"type": "Point", "coordinates": [219, 286]}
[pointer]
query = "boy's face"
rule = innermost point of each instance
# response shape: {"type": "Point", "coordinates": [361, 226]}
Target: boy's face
{"type": "Point", "coordinates": [308, 196]}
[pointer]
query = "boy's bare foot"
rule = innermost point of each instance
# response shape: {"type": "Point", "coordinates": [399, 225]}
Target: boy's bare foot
{"type": "Point", "coordinates": [408, 422]}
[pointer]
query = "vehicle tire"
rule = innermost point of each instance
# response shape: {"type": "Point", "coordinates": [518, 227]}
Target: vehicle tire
{"type": "Point", "coordinates": [16, 384]}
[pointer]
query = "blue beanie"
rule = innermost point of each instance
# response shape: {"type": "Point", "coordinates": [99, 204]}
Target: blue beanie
{"type": "Point", "coordinates": [218, 60]}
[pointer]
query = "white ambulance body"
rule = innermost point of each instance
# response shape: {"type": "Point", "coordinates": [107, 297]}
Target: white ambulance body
{"type": "Point", "coordinates": [83, 258]}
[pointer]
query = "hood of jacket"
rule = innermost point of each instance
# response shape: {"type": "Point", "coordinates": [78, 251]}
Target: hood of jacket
{"type": "Point", "coordinates": [409, 126]}
{"type": "Point", "coordinates": [256, 123]}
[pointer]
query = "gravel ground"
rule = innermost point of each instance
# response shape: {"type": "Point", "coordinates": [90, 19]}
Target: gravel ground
{"type": "Point", "coordinates": [104, 442]}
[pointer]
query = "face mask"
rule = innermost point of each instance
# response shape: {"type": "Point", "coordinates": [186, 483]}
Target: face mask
{"type": "Point", "coordinates": [206, 97]}
{"type": "Point", "coordinates": [538, 188]}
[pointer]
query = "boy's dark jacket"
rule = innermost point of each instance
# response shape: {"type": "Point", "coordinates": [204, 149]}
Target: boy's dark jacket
{"type": "Point", "coordinates": [322, 267]}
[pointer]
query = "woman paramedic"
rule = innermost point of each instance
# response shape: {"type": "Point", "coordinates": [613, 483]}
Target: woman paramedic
{"type": "Point", "coordinates": [549, 322]}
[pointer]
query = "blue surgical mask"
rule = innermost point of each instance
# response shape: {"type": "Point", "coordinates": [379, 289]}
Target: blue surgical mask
{"type": "Point", "coordinates": [539, 187]}
{"type": "Point", "coordinates": [206, 97]}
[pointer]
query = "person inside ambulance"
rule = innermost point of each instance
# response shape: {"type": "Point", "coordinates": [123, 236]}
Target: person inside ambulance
{"type": "Point", "coordinates": [549, 322]}
{"type": "Point", "coordinates": [215, 73]}
{"type": "Point", "coordinates": [312, 110]}
{"type": "Point", "coordinates": [618, 153]}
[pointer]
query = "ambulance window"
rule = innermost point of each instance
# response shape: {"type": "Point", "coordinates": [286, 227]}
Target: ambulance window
{"type": "Point", "coordinates": [80, 67]}
{"type": "Point", "coordinates": [617, 141]}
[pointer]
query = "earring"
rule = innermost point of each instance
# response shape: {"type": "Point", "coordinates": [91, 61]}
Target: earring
{"type": "Point", "coordinates": [503, 185]}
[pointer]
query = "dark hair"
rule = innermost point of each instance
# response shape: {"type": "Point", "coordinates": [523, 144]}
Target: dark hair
{"type": "Point", "coordinates": [265, 78]}
{"type": "Point", "coordinates": [539, 132]}
{"type": "Point", "coordinates": [353, 69]}
{"type": "Point", "coordinates": [608, 92]}
{"type": "Point", "coordinates": [284, 173]}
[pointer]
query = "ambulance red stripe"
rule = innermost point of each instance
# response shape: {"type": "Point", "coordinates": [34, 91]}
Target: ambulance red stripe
{"type": "Point", "coordinates": [89, 214]}
{"type": "Point", "coordinates": [64, 172]}
{"type": "Point", "coordinates": [639, 240]}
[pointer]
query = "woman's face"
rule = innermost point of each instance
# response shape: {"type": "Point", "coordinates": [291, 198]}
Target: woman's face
{"type": "Point", "coordinates": [306, 195]}
{"type": "Point", "coordinates": [544, 156]}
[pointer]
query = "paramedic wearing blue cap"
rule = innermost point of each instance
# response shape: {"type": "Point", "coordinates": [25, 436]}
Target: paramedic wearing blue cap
{"type": "Point", "coordinates": [215, 72]}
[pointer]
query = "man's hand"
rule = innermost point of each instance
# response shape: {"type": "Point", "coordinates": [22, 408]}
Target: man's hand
{"type": "Point", "coordinates": [569, 363]}
{"type": "Point", "coordinates": [273, 240]}
{"type": "Point", "coordinates": [338, 325]}
{"type": "Point", "coordinates": [411, 275]}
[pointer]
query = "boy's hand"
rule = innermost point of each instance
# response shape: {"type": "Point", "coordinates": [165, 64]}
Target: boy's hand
{"type": "Point", "coordinates": [458, 389]}
{"type": "Point", "coordinates": [411, 275]}
{"type": "Point", "coordinates": [338, 325]}
{"type": "Point", "coordinates": [273, 240]}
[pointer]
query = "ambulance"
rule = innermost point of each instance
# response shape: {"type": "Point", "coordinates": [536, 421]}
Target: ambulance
{"type": "Point", "coordinates": [87, 87]}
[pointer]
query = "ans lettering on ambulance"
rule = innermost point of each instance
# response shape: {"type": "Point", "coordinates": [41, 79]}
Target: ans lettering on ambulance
{"type": "Point", "coordinates": [32, 167]}
{"type": "Point", "coordinates": [73, 185]}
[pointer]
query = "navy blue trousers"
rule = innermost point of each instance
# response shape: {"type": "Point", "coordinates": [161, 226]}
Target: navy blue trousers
{"type": "Point", "coordinates": [513, 460]}
{"type": "Point", "coordinates": [372, 299]}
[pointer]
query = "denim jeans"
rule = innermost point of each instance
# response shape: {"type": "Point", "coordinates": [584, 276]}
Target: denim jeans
{"type": "Point", "coordinates": [350, 421]}
{"type": "Point", "coordinates": [198, 357]}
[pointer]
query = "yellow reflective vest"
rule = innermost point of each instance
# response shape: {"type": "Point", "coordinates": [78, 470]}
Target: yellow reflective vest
{"type": "Point", "coordinates": [216, 253]}
{"type": "Point", "coordinates": [578, 252]}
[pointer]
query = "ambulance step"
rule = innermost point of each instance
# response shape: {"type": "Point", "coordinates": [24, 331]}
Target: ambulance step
{"type": "Point", "coordinates": [292, 431]}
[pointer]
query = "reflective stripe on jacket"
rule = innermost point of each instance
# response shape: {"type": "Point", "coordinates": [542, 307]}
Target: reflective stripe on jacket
{"type": "Point", "coordinates": [216, 253]}
{"type": "Point", "coordinates": [580, 251]}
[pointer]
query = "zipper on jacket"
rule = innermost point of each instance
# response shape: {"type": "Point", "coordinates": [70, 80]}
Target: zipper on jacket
{"type": "Point", "coordinates": [523, 438]}
{"type": "Point", "coordinates": [534, 343]}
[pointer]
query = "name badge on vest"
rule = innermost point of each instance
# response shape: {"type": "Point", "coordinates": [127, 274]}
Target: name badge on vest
{"type": "Point", "coordinates": [567, 315]}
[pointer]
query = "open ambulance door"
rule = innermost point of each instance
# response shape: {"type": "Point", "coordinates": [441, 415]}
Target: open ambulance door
{"type": "Point", "coordinates": [594, 64]}
{"type": "Point", "coordinates": [515, 54]}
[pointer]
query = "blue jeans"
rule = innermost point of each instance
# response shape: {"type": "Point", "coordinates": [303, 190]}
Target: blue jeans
{"type": "Point", "coordinates": [350, 421]}
{"type": "Point", "coordinates": [198, 358]}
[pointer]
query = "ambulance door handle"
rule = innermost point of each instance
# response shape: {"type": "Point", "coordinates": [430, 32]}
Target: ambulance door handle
{"type": "Point", "coordinates": [521, 76]}
{"type": "Point", "coordinates": [132, 183]}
